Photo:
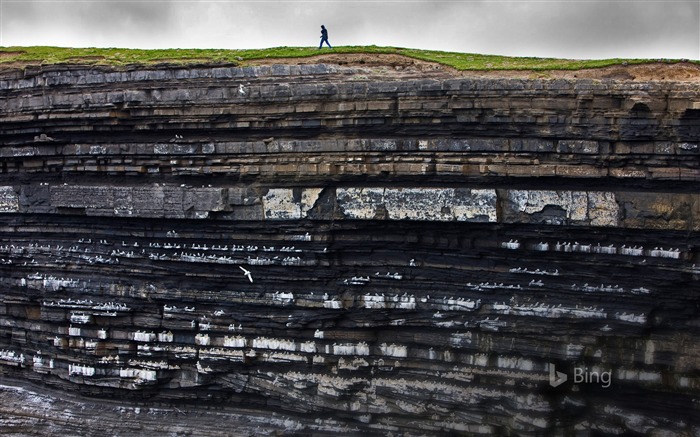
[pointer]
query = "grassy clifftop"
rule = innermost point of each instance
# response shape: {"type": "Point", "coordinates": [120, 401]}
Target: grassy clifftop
{"type": "Point", "coordinates": [121, 56]}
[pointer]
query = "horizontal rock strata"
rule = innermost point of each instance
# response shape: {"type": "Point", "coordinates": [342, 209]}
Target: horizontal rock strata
{"type": "Point", "coordinates": [318, 249]}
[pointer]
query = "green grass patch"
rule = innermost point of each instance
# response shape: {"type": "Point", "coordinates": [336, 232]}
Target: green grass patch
{"type": "Point", "coordinates": [122, 57]}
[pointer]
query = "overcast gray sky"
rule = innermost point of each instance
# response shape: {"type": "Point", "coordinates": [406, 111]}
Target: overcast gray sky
{"type": "Point", "coordinates": [543, 28]}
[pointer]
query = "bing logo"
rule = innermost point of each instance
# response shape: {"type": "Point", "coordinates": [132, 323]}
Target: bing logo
{"type": "Point", "coordinates": [581, 376]}
{"type": "Point", "coordinates": [556, 378]}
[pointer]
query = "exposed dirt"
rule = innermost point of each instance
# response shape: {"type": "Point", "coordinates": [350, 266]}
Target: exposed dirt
{"type": "Point", "coordinates": [10, 54]}
{"type": "Point", "coordinates": [181, 61]}
{"type": "Point", "coordinates": [359, 60]}
{"type": "Point", "coordinates": [86, 58]}
{"type": "Point", "coordinates": [677, 72]}
{"type": "Point", "coordinates": [398, 65]}
{"type": "Point", "coordinates": [16, 65]}
{"type": "Point", "coordinates": [680, 71]}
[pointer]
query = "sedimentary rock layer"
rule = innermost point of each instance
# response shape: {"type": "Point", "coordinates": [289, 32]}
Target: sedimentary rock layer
{"type": "Point", "coordinates": [320, 249]}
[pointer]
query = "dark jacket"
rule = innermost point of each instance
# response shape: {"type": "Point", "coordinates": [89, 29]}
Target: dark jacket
{"type": "Point", "coordinates": [324, 33]}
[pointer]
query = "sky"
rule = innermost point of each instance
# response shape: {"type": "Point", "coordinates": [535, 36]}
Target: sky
{"type": "Point", "coordinates": [576, 29]}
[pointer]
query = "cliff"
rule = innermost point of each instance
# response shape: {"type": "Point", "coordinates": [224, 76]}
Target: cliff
{"type": "Point", "coordinates": [319, 248]}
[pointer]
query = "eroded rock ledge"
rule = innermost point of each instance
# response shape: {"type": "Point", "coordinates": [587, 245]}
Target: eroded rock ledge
{"type": "Point", "coordinates": [323, 249]}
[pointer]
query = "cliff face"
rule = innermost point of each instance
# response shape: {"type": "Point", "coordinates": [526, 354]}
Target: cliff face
{"type": "Point", "coordinates": [318, 248]}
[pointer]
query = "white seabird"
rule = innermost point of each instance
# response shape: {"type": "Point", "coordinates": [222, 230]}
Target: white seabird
{"type": "Point", "coordinates": [246, 273]}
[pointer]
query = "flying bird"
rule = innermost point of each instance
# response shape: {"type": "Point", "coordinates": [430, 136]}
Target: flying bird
{"type": "Point", "coordinates": [246, 273]}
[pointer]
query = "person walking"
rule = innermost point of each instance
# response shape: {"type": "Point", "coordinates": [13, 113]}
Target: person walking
{"type": "Point", "coordinates": [324, 37]}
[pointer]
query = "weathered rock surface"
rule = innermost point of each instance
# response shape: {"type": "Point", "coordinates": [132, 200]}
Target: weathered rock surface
{"type": "Point", "coordinates": [317, 249]}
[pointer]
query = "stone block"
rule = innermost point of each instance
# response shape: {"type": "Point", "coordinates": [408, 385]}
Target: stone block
{"type": "Point", "coordinates": [311, 123]}
{"type": "Point", "coordinates": [648, 148]}
{"type": "Point", "coordinates": [204, 199]}
{"type": "Point", "coordinates": [326, 169]}
{"type": "Point", "coordinates": [689, 174]}
{"type": "Point", "coordinates": [208, 148]}
{"type": "Point", "coordinates": [309, 196]}
{"type": "Point", "coordinates": [383, 145]}
{"type": "Point", "coordinates": [410, 105]}
{"type": "Point", "coordinates": [603, 209]}
{"type": "Point", "coordinates": [487, 144]}
{"type": "Point", "coordinates": [671, 173]}
{"type": "Point", "coordinates": [679, 104]}
{"type": "Point", "coordinates": [471, 170]}
{"type": "Point", "coordinates": [77, 196]}
{"type": "Point", "coordinates": [531, 145]}
{"type": "Point", "coordinates": [379, 105]}
{"type": "Point", "coordinates": [626, 172]}
{"type": "Point", "coordinates": [670, 211]}
{"type": "Point", "coordinates": [448, 169]}
{"type": "Point", "coordinates": [345, 106]}
{"type": "Point", "coordinates": [580, 171]}
{"type": "Point", "coordinates": [495, 169]}
{"type": "Point", "coordinates": [148, 199]}
{"type": "Point", "coordinates": [664, 148]}
{"type": "Point", "coordinates": [536, 170]}
{"type": "Point", "coordinates": [122, 201]}
{"type": "Point", "coordinates": [425, 204]}
{"type": "Point", "coordinates": [34, 198]}
{"type": "Point", "coordinates": [284, 169]}
{"type": "Point", "coordinates": [236, 195]}
{"type": "Point", "coordinates": [578, 146]}
{"type": "Point", "coordinates": [248, 213]}
{"type": "Point", "coordinates": [281, 204]}
{"type": "Point", "coordinates": [32, 163]}
{"type": "Point", "coordinates": [688, 148]}
{"type": "Point", "coordinates": [306, 170]}
{"type": "Point", "coordinates": [9, 200]}
{"type": "Point", "coordinates": [558, 207]}
{"type": "Point", "coordinates": [20, 151]}
{"type": "Point", "coordinates": [433, 105]}
{"type": "Point", "coordinates": [459, 103]}
{"type": "Point", "coordinates": [306, 107]}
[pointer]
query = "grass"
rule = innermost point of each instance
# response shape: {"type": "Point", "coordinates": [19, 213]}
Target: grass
{"type": "Point", "coordinates": [122, 57]}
